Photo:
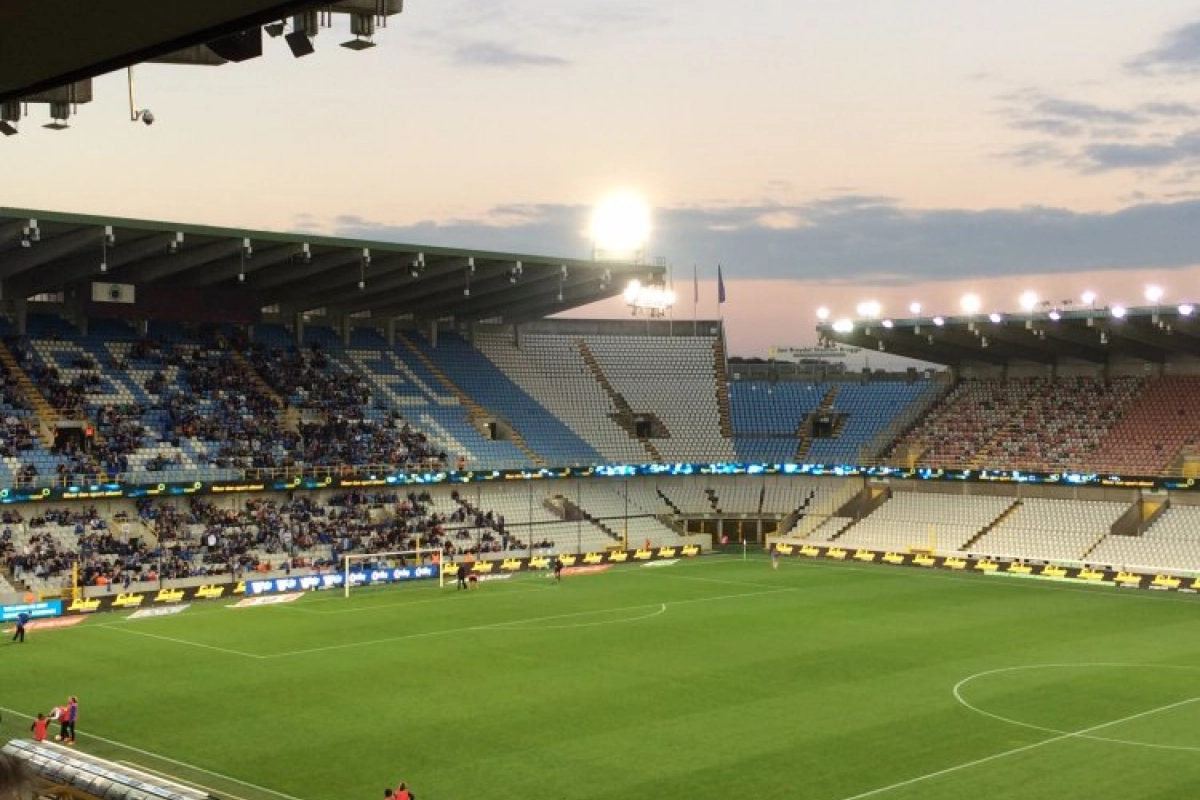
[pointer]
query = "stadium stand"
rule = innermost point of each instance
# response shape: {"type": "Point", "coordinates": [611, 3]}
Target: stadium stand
{"type": "Point", "coordinates": [922, 519]}
{"type": "Point", "coordinates": [675, 379]}
{"type": "Point", "coordinates": [1149, 438]}
{"type": "Point", "coordinates": [1171, 543]}
{"type": "Point", "coordinates": [461, 365]}
{"type": "Point", "coordinates": [1026, 423]}
{"type": "Point", "coordinates": [552, 370]}
{"type": "Point", "coordinates": [1051, 530]}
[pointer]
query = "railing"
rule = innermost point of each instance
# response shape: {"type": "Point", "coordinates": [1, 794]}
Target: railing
{"type": "Point", "coordinates": [229, 474]}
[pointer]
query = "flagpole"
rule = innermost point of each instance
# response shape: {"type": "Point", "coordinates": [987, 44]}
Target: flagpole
{"type": "Point", "coordinates": [671, 308]}
{"type": "Point", "coordinates": [695, 296]}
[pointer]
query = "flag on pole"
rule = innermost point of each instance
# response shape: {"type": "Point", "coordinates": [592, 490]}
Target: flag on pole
{"type": "Point", "coordinates": [695, 285]}
{"type": "Point", "coordinates": [720, 286]}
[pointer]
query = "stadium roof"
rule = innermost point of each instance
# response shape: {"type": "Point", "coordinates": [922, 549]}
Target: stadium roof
{"type": "Point", "coordinates": [1095, 335]}
{"type": "Point", "coordinates": [45, 253]}
{"type": "Point", "coordinates": [50, 43]}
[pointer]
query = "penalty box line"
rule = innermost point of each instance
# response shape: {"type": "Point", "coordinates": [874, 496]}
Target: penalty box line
{"type": "Point", "coordinates": [1017, 750]}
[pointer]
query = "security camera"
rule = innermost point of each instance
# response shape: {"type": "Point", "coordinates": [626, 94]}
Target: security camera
{"type": "Point", "coordinates": [148, 116]}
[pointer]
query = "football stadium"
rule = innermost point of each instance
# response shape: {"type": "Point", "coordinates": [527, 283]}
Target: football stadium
{"type": "Point", "coordinates": [288, 516]}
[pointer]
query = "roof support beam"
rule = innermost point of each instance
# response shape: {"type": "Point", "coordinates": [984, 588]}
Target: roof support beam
{"type": "Point", "coordinates": [295, 273]}
{"type": "Point", "coordinates": [188, 258]}
{"type": "Point", "coordinates": [46, 251]}
{"type": "Point", "coordinates": [229, 270]}
{"type": "Point", "coordinates": [55, 276]}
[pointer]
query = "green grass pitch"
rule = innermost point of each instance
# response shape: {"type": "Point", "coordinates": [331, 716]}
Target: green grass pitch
{"type": "Point", "coordinates": [711, 678]}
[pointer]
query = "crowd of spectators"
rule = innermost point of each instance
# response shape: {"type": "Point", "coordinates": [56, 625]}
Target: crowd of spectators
{"type": "Point", "coordinates": [201, 538]}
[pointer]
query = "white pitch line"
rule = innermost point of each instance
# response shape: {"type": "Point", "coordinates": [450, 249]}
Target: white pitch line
{"type": "Point", "coordinates": [515, 626]}
{"type": "Point", "coordinates": [176, 762]}
{"type": "Point", "coordinates": [487, 626]}
{"type": "Point", "coordinates": [124, 629]}
{"type": "Point", "coordinates": [957, 692]}
{"type": "Point", "coordinates": [176, 779]}
{"type": "Point", "coordinates": [1082, 733]}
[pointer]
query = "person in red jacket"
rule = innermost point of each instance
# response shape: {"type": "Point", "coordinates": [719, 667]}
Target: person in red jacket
{"type": "Point", "coordinates": [39, 727]}
{"type": "Point", "coordinates": [402, 793]}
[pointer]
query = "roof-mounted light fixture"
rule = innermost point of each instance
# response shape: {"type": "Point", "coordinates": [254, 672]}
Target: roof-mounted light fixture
{"type": "Point", "coordinates": [363, 28]}
{"type": "Point", "coordinates": [10, 115]}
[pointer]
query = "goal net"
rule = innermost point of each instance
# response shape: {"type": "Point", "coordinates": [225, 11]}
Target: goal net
{"type": "Point", "coordinates": [365, 569]}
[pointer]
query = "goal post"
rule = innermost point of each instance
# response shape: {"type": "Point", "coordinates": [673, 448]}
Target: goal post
{"type": "Point", "coordinates": [354, 562]}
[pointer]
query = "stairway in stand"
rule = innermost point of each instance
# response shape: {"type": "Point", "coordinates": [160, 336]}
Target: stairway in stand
{"type": "Point", "coordinates": [804, 434]}
{"type": "Point", "coordinates": [47, 416]}
{"type": "Point", "coordinates": [624, 415]}
{"type": "Point", "coordinates": [720, 372]}
{"type": "Point", "coordinates": [252, 375]}
{"type": "Point", "coordinates": [475, 412]}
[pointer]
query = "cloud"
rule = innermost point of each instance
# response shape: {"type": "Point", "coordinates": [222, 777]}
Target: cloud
{"type": "Point", "coordinates": [1089, 138]}
{"type": "Point", "coordinates": [1105, 156]}
{"type": "Point", "coordinates": [495, 54]}
{"type": "Point", "coordinates": [1061, 108]}
{"type": "Point", "coordinates": [870, 240]}
{"type": "Point", "coordinates": [1170, 109]}
{"type": "Point", "coordinates": [1178, 52]}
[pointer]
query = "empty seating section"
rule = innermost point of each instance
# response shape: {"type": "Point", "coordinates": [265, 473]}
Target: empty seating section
{"type": "Point", "coordinates": [773, 408]}
{"type": "Point", "coordinates": [636, 520]}
{"type": "Point", "coordinates": [829, 528]}
{"type": "Point", "coordinates": [527, 517]}
{"type": "Point", "coordinates": [766, 417]}
{"type": "Point", "coordinates": [1051, 530]}
{"type": "Point", "coordinates": [865, 410]}
{"type": "Point", "coordinates": [1156, 427]}
{"type": "Point", "coordinates": [1171, 543]}
{"type": "Point", "coordinates": [943, 522]}
{"type": "Point", "coordinates": [673, 378]}
{"type": "Point", "coordinates": [486, 384]}
{"type": "Point", "coordinates": [552, 371]}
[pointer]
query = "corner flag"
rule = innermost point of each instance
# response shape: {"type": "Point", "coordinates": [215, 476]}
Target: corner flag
{"type": "Point", "coordinates": [720, 286]}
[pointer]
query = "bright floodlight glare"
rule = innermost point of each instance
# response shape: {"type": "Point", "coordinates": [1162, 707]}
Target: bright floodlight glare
{"type": "Point", "coordinates": [1028, 300]}
{"type": "Point", "coordinates": [822, 313]}
{"type": "Point", "coordinates": [887, 323]}
{"type": "Point", "coordinates": [970, 303]}
{"type": "Point", "coordinates": [995, 317]}
{"type": "Point", "coordinates": [1154, 293]}
{"type": "Point", "coordinates": [869, 308]}
{"type": "Point", "coordinates": [939, 321]}
{"type": "Point", "coordinates": [621, 224]}
{"type": "Point", "coordinates": [633, 290]}
{"type": "Point", "coordinates": [914, 308]}
{"type": "Point", "coordinates": [843, 326]}
{"type": "Point", "coordinates": [1118, 312]}
{"type": "Point", "coordinates": [1186, 309]}
{"type": "Point", "coordinates": [1055, 315]}
{"type": "Point", "coordinates": [1088, 298]}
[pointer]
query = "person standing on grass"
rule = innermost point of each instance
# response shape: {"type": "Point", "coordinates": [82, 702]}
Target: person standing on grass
{"type": "Point", "coordinates": [774, 559]}
{"type": "Point", "coordinates": [558, 568]}
{"type": "Point", "coordinates": [68, 726]}
{"type": "Point", "coordinates": [462, 575]}
{"type": "Point", "coordinates": [22, 620]}
{"type": "Point", "coordinates": [402, 793]}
